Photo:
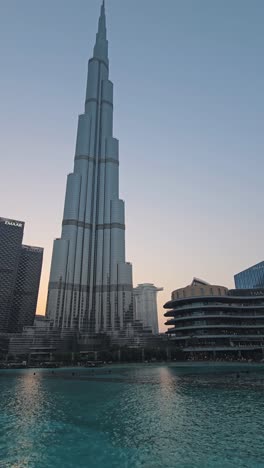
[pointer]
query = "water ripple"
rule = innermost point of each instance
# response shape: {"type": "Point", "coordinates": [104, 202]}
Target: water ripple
{"type": "Point", "coordinates": [136, 416]}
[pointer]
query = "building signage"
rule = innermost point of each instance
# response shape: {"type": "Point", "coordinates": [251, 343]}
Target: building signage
{"type": "Point", "coordinates": [32, 249]}
{"type": "Point", "coordinates": [14, 223]}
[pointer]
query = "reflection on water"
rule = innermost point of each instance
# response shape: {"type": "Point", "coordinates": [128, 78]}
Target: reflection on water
{"type": "Point", "coordinates": [136, 416]}
{"type": "Point", "coordinates": [23, 402]}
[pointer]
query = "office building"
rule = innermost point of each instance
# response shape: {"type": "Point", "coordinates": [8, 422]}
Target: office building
{"type": "Point", "coordinates": [211, 321]}
{"type": "Point", "coordinates": [145, 306]}
{"type": "Point", "coordinates": [252, 277]}
{"type": "Point", "coordinates": [20, 269]}
{"type": "Point", "coordinates": [26, 288]}
{"type": "Point", "coordinates": [11, 235]}
{"type": "Point", "coordinates": [90, 286]}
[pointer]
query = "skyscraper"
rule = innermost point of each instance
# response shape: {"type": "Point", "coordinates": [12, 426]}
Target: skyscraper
{"type": "Point", "coordinates": [145, 305]}
{"type": "Point", "coordinates": [20, 269]}
{"type": "Point", "coordinates": [26, 288]}
{"type": "Point", "coordinates": [90, 287]}
{"type": "Point", "coordinates": [11, 235]}
{"type": "Point", "coordinates": [252, 277]}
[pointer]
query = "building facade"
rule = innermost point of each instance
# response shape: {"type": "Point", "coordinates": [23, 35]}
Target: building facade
{"type": "Point", "coordinates": [26, 288]}
{"type": "Point", "coordinates": [11, 235]}
{"type": "Point", "coordinates": [252, 277]}
{"type": "Point", "coordinates": [198, 287]}
{"type": "Point", "coordinates": [145, 306]}
{"type": "Point", "coordinates": [90, 286]}
{"type": "Point", "coordinates": [230, 324]}
{"type": "Point", "coordinates": [20, 269]}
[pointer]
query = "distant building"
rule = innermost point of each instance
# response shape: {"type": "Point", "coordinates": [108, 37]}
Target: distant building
{"type": "Point", "coordinates": [211, 321]}
{"type": "Point", "coordinates": [20, 269]}
{"type": "Point", "coordinates": [42, 323]}
{"type": "Point", "coordinates": [252, 277]}
{"type": "Point", "coordinates": [36, 344]}
{"type": "Point", "coordinates": [145, 306]}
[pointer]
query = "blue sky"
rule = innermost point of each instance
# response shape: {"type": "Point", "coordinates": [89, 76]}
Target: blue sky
{"type": "Point", "coordinates": [188, 111]}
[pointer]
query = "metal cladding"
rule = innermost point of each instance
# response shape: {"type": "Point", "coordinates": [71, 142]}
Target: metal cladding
{"type": "Point", "coordinates": [90, 286]}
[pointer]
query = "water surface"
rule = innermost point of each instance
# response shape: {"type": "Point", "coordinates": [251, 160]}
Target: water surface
{"type": "Point", "coordinates": [132, 416]}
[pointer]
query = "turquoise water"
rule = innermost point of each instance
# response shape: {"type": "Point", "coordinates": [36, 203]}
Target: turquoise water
{"type": "Point", "coordinates": [135, 416]}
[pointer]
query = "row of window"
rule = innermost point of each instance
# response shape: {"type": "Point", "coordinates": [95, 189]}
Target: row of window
{"type": "Point", "coordinates": [182, 293]}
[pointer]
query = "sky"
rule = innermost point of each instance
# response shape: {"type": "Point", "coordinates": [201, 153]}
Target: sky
{"type": "Point", "coordinates": [188, 112]}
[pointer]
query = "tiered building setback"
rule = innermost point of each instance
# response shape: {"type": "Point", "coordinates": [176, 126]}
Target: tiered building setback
{"type": "Point", "coordinates": [90, 287]}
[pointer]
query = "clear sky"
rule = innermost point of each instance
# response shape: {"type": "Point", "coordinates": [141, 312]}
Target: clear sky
{"type": "Point", "coordinates": [188, 111]}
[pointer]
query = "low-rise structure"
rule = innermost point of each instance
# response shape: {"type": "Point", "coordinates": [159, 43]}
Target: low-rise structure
{"type": "Point", "coordinates": [211, 321]}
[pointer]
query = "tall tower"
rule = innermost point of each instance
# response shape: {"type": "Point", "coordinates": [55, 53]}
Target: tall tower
{"type": "Point", "coordinates": [11, 236]}
{"type": "Point", "coordinates": [20, 270]}
{"type": "Point", "coordinates": [26, 288]}
{"type": "Point", "coordinates": [90, 287]}
{"type": "Point", "coordinates": [145, 305]}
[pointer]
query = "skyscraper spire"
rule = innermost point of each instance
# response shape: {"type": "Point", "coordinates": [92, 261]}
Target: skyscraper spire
{"type": "Point", "coordinates": [90, 287]}
{"type": "Point", "coordinates": [101, 44]}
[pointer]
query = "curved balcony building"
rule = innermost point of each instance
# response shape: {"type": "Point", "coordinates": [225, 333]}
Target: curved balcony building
{"type": "Point", "coordinates": [208, 320]}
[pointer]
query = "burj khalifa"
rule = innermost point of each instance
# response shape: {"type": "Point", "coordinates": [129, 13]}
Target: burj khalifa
{"type": "Point", "coordinates": [90, 285]}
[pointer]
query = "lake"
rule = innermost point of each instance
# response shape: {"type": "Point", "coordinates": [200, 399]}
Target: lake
{"type": "Point", "coordinates": [153, 416]}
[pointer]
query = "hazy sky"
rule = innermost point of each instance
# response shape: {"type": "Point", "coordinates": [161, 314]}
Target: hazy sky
{"type": "Point", "coordinates": [188, 111]}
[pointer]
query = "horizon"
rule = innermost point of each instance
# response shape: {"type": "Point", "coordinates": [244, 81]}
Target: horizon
{"type": "Point", "coordinates": [190, 131]}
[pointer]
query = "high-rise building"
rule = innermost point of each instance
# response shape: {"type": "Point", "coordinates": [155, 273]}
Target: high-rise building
{"type": "Point", "coordinates": [11, 235]}
{"type": "Point", "coordinates": [90, 286]}
{"type": "Point", "coordinates": [252, 277]}
{"type": "Point", "coordinates": [26, 288]}
{"type": "Point", "coordinates": [20, 268]}
{"type": "Point", "coordinates": [145, 305]}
